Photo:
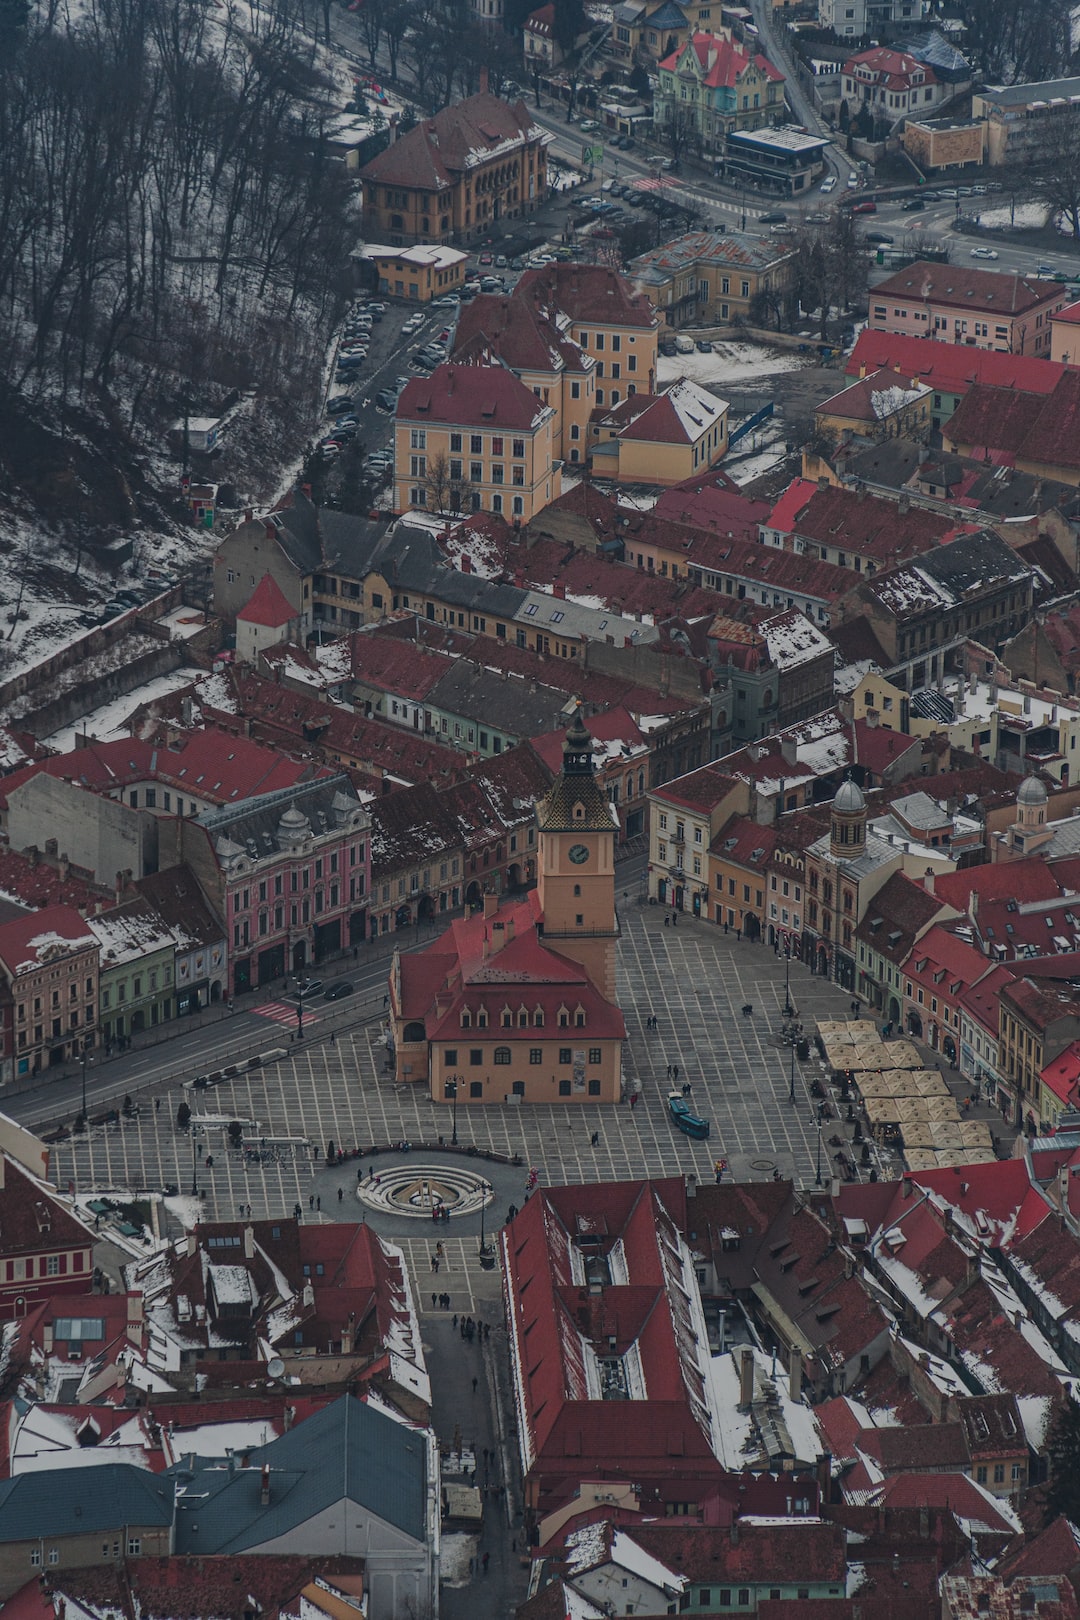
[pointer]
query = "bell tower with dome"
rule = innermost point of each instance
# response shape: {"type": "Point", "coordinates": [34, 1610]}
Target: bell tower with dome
{"type": "Point", "coordinates": [1031, 831]}
{"type": "Point", "coordinates": [847, 822]}
{"type": "Point", "coordinates": [576, 864]}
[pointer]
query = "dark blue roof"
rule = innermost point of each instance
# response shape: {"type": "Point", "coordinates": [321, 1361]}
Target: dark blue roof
{"type": "Point", "coordinates": [349, 1451]}
{"type": "Point", "coordinates": [83, 1501]}
{"type": "Point", "coordinates": [668, 16]}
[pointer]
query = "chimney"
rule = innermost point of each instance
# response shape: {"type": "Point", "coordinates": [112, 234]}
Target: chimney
{"type": "Point", "coordinates": [465, 564]}
{"type": "Point", "coordinates": [823, 482]}
{"type": "Point", "coordinates": [491, 904]}
{"type": "Point", "coordinates": [795, 1376]}
{"type": "Point", "coordinates": [483, 81]}
{"type": "Point", "coordinates": [789, 750]}
{"type": "Point", "coordinates": [903, 505]}
{"type": "Point", "coordinates": [929, 880]}
{"type": "Point", "coordinates": [249, 1243]}
{"type": "Point", "coordinates": [249, 515]}
{"type": "Point", "coordinates": [746, 1378]}
{"type": "Point", "coordinates": [559, 590]}
{"type": "Point", "coordinates": [824, 1474]}
{"type": "Point", "coordinates": [64, 868]}
{"type": "Point", "coordinates": [264, 1486]}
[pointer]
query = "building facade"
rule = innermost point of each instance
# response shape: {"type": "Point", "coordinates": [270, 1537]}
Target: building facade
{"type": "Point", "coordinates": [712, 85]}
{"type": "Point", "coordinates": [48, 990]}
{"type": "Point", "coordinates": [982, 309]}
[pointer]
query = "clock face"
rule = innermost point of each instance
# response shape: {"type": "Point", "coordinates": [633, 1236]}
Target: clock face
{"type": "Point", "coordinates": [579, 854]}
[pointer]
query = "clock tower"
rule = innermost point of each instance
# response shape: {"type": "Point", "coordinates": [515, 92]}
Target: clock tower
{"type": "Point", "coordinates": [576, 866]}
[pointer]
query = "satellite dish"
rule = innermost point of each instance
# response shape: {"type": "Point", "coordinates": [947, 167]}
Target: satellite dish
{"type": "Point", "coordinates": [275, 1367]}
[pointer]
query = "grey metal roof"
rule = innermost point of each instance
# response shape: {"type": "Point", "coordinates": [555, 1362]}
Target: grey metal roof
{"type": "Point", "coordinates": [326, 803]}
{"type": "Point", "coordinates": [83, 1501]}
{"type": "Point", "coordinates": [1022, 95]}
{"type": "Point", "coordinates": [349, 1451]}
{"type": "Point", "coordinates": [409, 560]}
{"type": "Point", "coordinates": [507, 704]}
{"type": "Point", "coordinates": [567, 618]}
{"type": "Point", "coordinates": [929, 704]}
{"type": "Point", "coordinates": [973, 561]}
{"type": "Point", "coordinates": [316, 538]}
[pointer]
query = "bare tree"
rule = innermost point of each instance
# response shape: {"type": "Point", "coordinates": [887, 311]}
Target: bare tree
{"type": "Point", "coordinates": [1056, 177]}
{"type": "Point", "coordinates": [437, 483]}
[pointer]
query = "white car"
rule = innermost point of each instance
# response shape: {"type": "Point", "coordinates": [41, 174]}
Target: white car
{"type": "Point", "coordinates": [853, 179]}
{"type": "Point", "coordinates": [984, 253]}
{"type": "Point", "coordinates": [829, 184]}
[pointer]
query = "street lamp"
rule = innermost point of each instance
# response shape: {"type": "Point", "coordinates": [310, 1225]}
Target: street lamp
{"type": "Point", "coordinates": [483, 1208]}
{"type": "Point", "coordinates": [451, 1092]}
{"type": "Point", "coordinates": [791, 1088]}
{"type": "Point", "coordinates": [84, 1059]}
{"type": "Point", "coordinates": [300, 1009]}
{"type": "Point", "coordinates": [196, 1148]}
{"type": "Point", "coordinates": [788, 1008]}
{"type": "Point", "coordinates": [817, 1172]}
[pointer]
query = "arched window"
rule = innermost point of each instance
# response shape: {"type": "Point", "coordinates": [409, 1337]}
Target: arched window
{"type": "Point", "coordinates": [414, 1032]}
{"type": "Point", "coordinates": [502, 1055]}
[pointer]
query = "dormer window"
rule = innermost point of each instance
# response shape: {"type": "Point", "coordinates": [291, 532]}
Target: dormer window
{"type": "Point", "coordinates": [523, 1018]}
{"type": "Point", "coordinates": [538, 1017]}
{"type": "Point", "coordinates": [466, 1018]}
{"type": "Point", "coordinates": [579, 1018]}
{"type": "Point", "coordinates": [482, 1018]}
{"type": "Point", "coordinates": [564, 1018]}
{"type": "Point", "coordinates": [507, 1018]}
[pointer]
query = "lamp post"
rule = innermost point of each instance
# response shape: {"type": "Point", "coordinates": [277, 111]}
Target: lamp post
{"type": "Point", "coordinates": [84, 1059]}
{"type": "Point", "coordinates": [788, 1009]}
{"type": "Point", "coordinates": [300, 1009]}
{"type": "Point", "coordinates": [817, 1171]}
{"type": "Point", "coordinates": [196, 1147]}
{"type": "Point", "coordinates": [791, 1087]}
{"type": "Point", "coordinates": [451, 1092]}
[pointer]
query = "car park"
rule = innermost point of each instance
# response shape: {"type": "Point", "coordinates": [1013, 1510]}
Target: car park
{"type": "Point", "coordinates": [829, 183]}
{"type": "Point", "coordinates": [336, 992]}
{"type": "Point", "coordinates": [983, 253]}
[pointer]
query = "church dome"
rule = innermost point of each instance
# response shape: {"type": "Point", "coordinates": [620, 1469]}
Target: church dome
{"type": "Point", "coordinates": [293, 826]}
{"type": "Point", "coordinates": [849, 799]}
{"type": "Point", "coordinates": [1032, 791]}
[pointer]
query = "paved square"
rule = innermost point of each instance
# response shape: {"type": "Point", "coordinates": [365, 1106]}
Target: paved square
{"type": "Point", "coordinates": [694, 978]}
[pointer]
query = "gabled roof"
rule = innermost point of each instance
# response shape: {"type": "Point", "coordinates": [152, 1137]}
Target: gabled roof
{"type": "Point", "coordinates": [870, 526]}
{"type": "Point", "coordinates": [899, 911]}
{"type": "Point", "coordinates": [876, 398]}
{"type": "Point", "coordinates": [350, 1452]}
{"type": "Point", "coordinates": [722, 61]}
{"type": "Point", "coordinates": [480, 396]}
{"type": "Point", "coordinates": [950, 368]}
{"type": "Point", "coordinates": [32, 1218]}
{"type": "Point", "coordinates": [682, 414]}
{"type": "Point", "coordinates": [893, 70]}
{"type": "Point", "coordinates": [588, 293]}
{"type": "Point", "coordinates": [31, 941]}
{"type": "Point", "coordinates": [267, 606]}
{"type": "Point", "coordinates": [520, 332]}
{"type": "Point", "coordinates": [458, 139]}
{"type": "Point", "coordinates": [83, 1501]}
{"type": "Point", "coordinates": [987, 292]}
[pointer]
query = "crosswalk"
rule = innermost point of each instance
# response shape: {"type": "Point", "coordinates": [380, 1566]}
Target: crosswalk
{"type": "Point", "coordinates": [282, 1013]}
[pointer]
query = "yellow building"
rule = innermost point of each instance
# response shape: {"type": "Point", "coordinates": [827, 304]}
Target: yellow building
{"type": "Point", "coordinates": [660, 438]}
{"type": "Point", "coordinates": [642, 33]}
{"type": "Point", "coordinates": [457, 175]}
{"type": "Point", "coordinates": [516, 1003]}
{"type": "Point", "coordinates": [876, 697]}
{"type": "Point", "coordinates": [521, 333]}
{"type": "Point", "coordinates": [685, 816]}
{"type": "Point", "coordinates": [712, 278]}
{"type": "Point", "coordinates": [1065, 335]}
{"type": "Point", "coordinates": [606, 317]}
{"type": "Point", "coordinates": [417, 273]}
{"type": "Point", "coordinates": [473, 438]}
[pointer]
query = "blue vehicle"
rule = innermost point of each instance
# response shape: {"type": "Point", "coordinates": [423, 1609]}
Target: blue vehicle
{"type": "Point", "coordinates": [684, 1117]}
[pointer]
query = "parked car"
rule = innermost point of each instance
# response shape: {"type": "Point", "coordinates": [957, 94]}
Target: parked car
{"type": "Point", "coordinates": [501, 262]}
{"type": "Point", "coordinates": [485, 258]}
{"type": "Point", "coordinates": [1044, 270]}
{"type": "Point", "coordinates": [852, 180]}
{"type": "Point", "coordinates": [335, 992]}
{"type": "Point", "coordinates": [308, 987]}
{"type": "Point", "coordinates": [491, 284]}
{"type": "Point", "coordinates": [669, 166]}
{"type": "Point", "coordinates": [666, 345]}
{"type": "Point", "coordinates": [329, 450]}
{"type": "Point", "coordinates": [704, 346]}
{"type": "Point", "coordinates": [777, 218]}
{"type": "Point", "coordinates": [983, 253]}
{"type": "Point", "coordinates": [684, 344]}
{"type": "Point", "coordinates": [339, 402]}
{"type": "Point", "coordinates": [912, 206]}
{"type": "Point", "coordinates": [828, 184]}
{"type": "Point", "coordinates": [865, 208]}
{"type": "Point", "coordinates": [449, 302]}
{"type": "Point", "coordinates": [930, 196]}
{"type": "Point", "coordinates": [879, 238]}
{"type": "Point", "coordinates": [385, 400]}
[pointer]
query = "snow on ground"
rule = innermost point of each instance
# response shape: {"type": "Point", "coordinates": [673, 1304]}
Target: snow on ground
{"type": "Point", "coordinates": [729, 364]}
{"type": "Point", "coordinates": [455, 1551]}
{"type": "Point", "coordinates": [186, 1210]}
{"type": "Point", "coordinates": [108, 722]}
{"type": "Point", "coordinates": [560, 179]}
{"type": "Point", "coordinates": [183, 623]}
{"type": "Point", "coordinates": [1028, 216]}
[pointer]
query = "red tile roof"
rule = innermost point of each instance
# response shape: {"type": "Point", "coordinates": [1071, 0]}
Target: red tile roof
{"type": "Point", "coordinates": [588, 293]}
{"type": "Point", "coordinates": [983, 292]}
{"type": "Point", "coordinates": [868, 525]}
{"type": "Point", "coordinates": [998, 420]}
{"type": "Point", "coordinates": [952, 1490]}
{"type": "Point", "coordinates": [723, 61]}
{"type": "Point", "coordinates": [267, 605]}
{"type": "Point", "coordinates": [1055, 1551]}
{"type": "Point", "coordinates": [461, 137]}
{"type": "Point", "coordinates": [951, 368]}
{"type": "Point", "coordinates": [752, 1552]}
{"type": "Point", "coordinates": [709, 505]}
{"type": "Point", "coordinates": [519, 332]}
{"type": "Point", "coordinates": [893, 70]}
{"type": "Point", "coordinates": [33, 1221]}
{"type": "Point", "coordinates": [29, 942]}
{"type": "Point", "coordinates": [477, 396]}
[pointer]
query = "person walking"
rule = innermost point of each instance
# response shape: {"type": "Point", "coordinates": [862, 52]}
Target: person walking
{"type": "Point", "coordinates": [474, 1384]}
{"type": "Point", "coordinates": [318, 1201]}
{"type": "Point", "coordinates": [311, 1202]}
{"type": "Point", "coordinates": [485, 1561]}
{"type": "Point", "coordinates": [340, 1194]}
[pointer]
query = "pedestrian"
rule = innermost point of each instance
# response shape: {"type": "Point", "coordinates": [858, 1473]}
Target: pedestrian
{"type": "Point", "coordinates": [596, 1138]}
{"type": "Point", "coordinates": [633, 1100]}
{"type": "Point", "coordinates": [433, 1301]}
{"type": "Point", "coordinates": [318, 1201]}
{"type": "Point", "coordinates": [485, 1561]}
{"type": "Point", "coordinates": [667, 1072]}
{"type": "Point", "coordinates": [359, 1175]}
{"type": "Point", "coordinates": [241, 1211]}
{"type": "Point", "coordinates": [333, 1038]}
{"type": "Point", "coordinates": [474, 1384]}
{"type": "Point", "coordinates": [665, 919]}
{"type": "Point", "coordinates": [675, 1072]}
{"type": "Point", "coordinates": [455, 1318]}
{"type": "Point", "coordinates": [433, 1263]}
{"type": "Point", "coordinates": [249, 1212]}
{"type": "Point", "coordinates": [157, 1105]}
{"type": "Point", "coordinates": [340, 1194]}
{"type": "Point", "coordinates": [311, 1201]}
{"type": "Point", "coordinates": [674, 919]}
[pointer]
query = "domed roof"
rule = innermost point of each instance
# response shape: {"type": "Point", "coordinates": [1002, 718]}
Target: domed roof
{"type": "Point", "coordinates": [849, 798]}
{"type": "Point", "coordinates": [1032, 791]}
{"type": "Point", "coordinates": [294, 824]}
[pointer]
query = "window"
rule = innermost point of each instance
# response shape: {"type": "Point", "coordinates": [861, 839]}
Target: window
{"type": "Point", "coordinates": [502, 1056]}
{"type": "Point", "coordinates": [450, 1057]}
{"type": "Point", "coordinates": [476, 1088]}
{"type": "Point", "coordinates": [134, 1546]}
{"type": "Point", "coordinates": [565, 1055]}
{"type": "Point", "coordinates": [536, 1055]}
{"type": "Point", "coordinates": [564, 1088]}
{"type": "Point", "coordinates": [476, 444]}
{"type": "Point", "coordinates": [476, 1056]}
{"type": "Point", "coordinates": [595, 1054]}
